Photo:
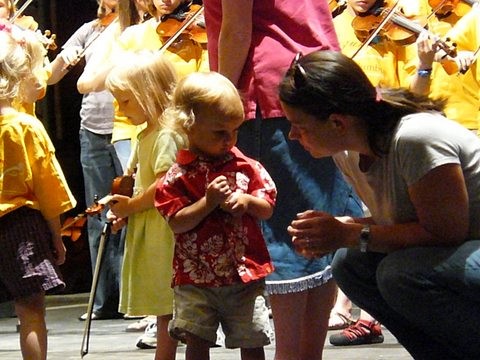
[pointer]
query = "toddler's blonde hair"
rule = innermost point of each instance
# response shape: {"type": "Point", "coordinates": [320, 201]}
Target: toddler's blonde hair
{"type": "Point", "coordinates": [202, 92]}
{"type": "Point", "coordinates": [14, 66]}
{"type": "Point", "coordinates": [149, 76]}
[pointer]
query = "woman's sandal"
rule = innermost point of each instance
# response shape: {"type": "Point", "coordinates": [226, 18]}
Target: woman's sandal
{"type": "Point", "coordinates": [339, 321]}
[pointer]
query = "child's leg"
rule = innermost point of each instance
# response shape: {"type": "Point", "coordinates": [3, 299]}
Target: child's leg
{"type": "Point", "coordinates": [33, 330]}
{"type": "Point", "coordinates": [252, 354]}
{"type": "Point", "coordinates": [197, 348]}
{"type": "Point", "coordinates": [166, 346]}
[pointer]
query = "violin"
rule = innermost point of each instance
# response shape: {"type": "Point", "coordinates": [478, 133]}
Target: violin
{"type": "Point", "coordinates": [337, 7]}
{"type": "Point", "coordinates": [186, 19]}
{"type": "Point", "coordinates": [399, 29]}
{"type": "Point", "coordinates": [72, 227]}
{"type": "Point", "coordinates": [443, 8]}
{"type": "Point", "coordinates": [121, 185]}
{"type": "Point", "coordinates": [108, 19]}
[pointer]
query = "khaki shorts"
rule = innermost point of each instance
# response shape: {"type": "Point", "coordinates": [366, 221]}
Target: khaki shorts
{"type": "Point", "coordinates": [239, 308]}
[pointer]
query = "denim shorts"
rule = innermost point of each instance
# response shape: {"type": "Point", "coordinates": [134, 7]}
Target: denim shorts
{"type": "Point", "coordinates": [240, 309]}
{"type": "Point", "coordinates": [303, 183]}
{"type": "Point", "coordinates": [27, 265]}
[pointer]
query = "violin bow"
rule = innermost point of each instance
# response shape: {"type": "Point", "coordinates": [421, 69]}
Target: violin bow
{"type": "Point", "coordinates": [93, 290]}
{"type": "Point", "coordinates": [20, 11]}
{"type": "Point", "coordinates": [81, 54]}
{"type": "Point", "coordinates": [379, 28]}
{"type": "Point", "coordinates": [434, 11]}
{"type": "Point", "coordinates": [187, 23]}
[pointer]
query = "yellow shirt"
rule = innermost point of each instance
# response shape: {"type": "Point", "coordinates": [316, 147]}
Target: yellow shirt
{"type": "Point", "coordinates": [407, 55]}
{"type": "Point", "coordinates": [466, 34]}
{"type": "Point", "coordinates": [186, 55]}
{"type": "Point", "coordinates": [378, 61]}
{"type": "Point", "coordinates": [461, 91]}
{"type": "Point", "coordinates": [30, 174]}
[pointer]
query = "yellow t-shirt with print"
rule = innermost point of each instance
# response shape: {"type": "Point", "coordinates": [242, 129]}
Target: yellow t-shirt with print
{"type": "Point", "coordinates": [377, 60]}
{"type": "Point", "coordinates": [30, 174]}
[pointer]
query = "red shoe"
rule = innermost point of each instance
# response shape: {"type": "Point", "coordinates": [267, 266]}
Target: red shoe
{"type": "Point", "coordinates": [360, 333]}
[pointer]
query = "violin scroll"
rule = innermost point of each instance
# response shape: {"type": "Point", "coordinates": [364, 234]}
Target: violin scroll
{"type": "Point", "coordinates": [48, 40]}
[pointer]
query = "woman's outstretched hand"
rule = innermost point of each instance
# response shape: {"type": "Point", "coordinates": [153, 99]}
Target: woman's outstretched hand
{"type": "Point", "coordinates": [317, 233]}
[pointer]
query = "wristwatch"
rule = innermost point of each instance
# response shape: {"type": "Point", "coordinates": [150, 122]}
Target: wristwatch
{"type": "Point", "coordinates": [364, 238]}
{"type": "Point", "coordinates": [424, 73]}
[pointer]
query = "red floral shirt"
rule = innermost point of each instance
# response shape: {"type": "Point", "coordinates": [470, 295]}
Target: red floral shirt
{"type": "Point", "coordinates": [221, 250]}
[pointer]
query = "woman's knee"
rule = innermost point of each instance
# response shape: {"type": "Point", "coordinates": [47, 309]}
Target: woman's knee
{"type": "Point", "coordinates": [353, 265]}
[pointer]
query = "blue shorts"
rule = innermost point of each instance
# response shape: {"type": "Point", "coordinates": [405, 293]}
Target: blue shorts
{"type": "Point", "coordinates": [27, 265]}
{"type": "Point", "coordinates": [303, 183]}
{"type": "Point", "coordinates": [239, 308]}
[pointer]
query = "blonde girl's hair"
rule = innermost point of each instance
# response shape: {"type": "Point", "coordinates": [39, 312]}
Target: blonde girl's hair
{"type": "Point", "coordinates": [150, 77]}
{"type": "Point", "coordinates": [14, 66]}
{"type": "Point", "coordinates": [36, 54]}
{"type": "Point", "coordinates": [203, 92]}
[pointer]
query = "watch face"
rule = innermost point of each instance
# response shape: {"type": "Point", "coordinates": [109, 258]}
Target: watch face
{"type": "Point", "coordinates": [364, 238]}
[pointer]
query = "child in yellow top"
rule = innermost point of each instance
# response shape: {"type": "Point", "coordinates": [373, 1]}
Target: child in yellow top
{"type": "Point", "coordinates": [142, 87]}
{"type": "Point", "coordinates": [33, 193]}
{"type": "Point", "coordinates": [384, 62]}
{"type": "Point", "coordinates": [462, 91]}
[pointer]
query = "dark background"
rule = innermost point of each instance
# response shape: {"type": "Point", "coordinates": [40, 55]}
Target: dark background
{"type": "Point", "coordinates": [59, 112]}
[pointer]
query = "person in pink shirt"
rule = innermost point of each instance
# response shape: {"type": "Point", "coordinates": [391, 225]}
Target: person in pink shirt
{"type": "Point", "coordinates": [253, 43]}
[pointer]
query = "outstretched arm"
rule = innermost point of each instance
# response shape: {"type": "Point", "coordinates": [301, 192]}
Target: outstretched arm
{"type": "Point", "coordinates": [441, 202]}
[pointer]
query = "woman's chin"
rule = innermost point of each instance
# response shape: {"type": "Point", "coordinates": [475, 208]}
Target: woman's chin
{"type": "Point", "coordinates": [314, 153]}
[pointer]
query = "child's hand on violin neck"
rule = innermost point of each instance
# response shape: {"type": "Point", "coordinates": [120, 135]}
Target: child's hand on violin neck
{"type": "Point", "coordinates": [120, 205]}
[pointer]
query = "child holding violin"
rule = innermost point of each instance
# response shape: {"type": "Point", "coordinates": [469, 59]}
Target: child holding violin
{"type": "Point", "coordinates": [459, 87]}
{"type": "Point", "coordinates": [186, 54]}
{"type": "Point", "coordinates": [142, 86]}
{"type": "Point", "coordinates": [33, 194]}
{"type": "Point", "coordinates": [385, 61]}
